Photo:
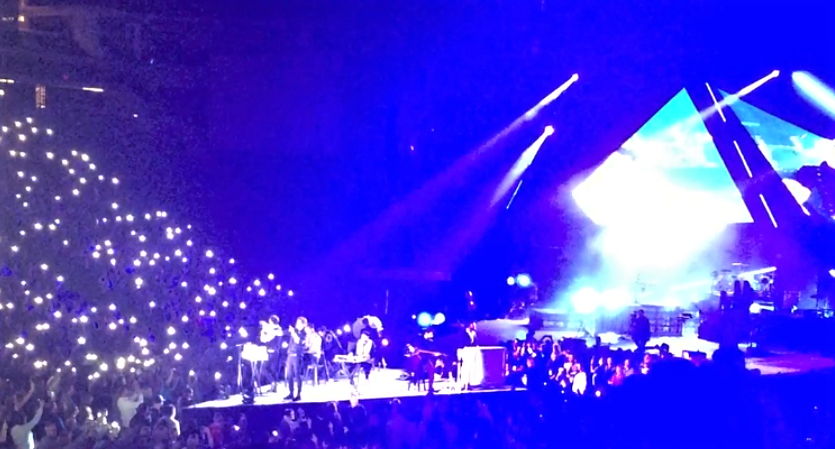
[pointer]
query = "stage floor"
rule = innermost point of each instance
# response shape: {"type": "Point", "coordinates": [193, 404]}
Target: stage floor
{"type": "Point", "coordinates": [383, 384]}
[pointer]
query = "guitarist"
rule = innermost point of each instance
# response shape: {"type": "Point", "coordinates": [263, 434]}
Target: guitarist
{"type": "Point", "coordinates": [271, 335]}
{"type": "Point", "coordinates": [430, 356]}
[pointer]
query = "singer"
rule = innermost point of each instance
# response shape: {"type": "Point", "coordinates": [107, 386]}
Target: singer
{"type": "Point", "coordinates": [295, 356]}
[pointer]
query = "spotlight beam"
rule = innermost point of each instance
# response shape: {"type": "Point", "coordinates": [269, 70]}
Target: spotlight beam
{"type": "Point", "coordinates": [717, 107]}
{"type": "Point", "coordinates": [533, 112]}
{"type": "Point", "coordinates": [520, 166]}
{"type": "Point", "coordinates": [461, 240]}
{"type": "Point", "coordinates": [425, 196]}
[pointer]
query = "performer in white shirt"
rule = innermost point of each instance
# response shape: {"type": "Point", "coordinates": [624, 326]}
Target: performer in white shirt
{"type": "Point", "coordinates": [313, 351]}
{"type": "Point", "coordinates": [363, 355]}
{"type": "Point", "coordinates": [313, 342]}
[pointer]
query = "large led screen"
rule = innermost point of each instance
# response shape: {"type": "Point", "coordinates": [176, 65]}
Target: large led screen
{"type": "Point", "coordinates": [668, 171]}
{"type": "Point", "coordinates": [797, 155]}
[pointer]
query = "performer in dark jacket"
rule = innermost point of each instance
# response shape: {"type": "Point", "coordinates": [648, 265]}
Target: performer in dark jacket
{"type": "Point", "coordinates": [641, 331]}
{"type": "Point", "coordinates": [295, 355]}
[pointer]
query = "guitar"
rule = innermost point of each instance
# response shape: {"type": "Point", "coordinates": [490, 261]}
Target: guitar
{"type": "Point", "coordinates": [415, 351]}
{"type": "Point", "coordinates": [350, 359]}
{"type": "Point", "coordinates": [270, 332]}
{"type": "Point", "coordinates": [436, 359]}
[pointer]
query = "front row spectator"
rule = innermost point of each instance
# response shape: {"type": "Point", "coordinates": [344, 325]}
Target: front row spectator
{"type": "Point", "coordinates": [21, 431]}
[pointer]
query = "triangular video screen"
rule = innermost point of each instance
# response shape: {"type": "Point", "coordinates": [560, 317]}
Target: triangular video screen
{"type": "Point", "coordinates": [669, 167]}
{"type": "Point", "coordinates": [797, 155]}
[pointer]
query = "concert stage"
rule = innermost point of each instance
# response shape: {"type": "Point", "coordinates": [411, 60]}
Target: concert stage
{"type": "Point", "coordinates": [266, 413]}
{"type": "Point", "coordinates": [386, 384]}
{"type": "Point", "coordinates": [383, 384]}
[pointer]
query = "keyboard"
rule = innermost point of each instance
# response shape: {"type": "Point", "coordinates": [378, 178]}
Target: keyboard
{"type": "Point", "coordinates": [348, 358]}
{"type": "Point", "coordinates": [255, 353]}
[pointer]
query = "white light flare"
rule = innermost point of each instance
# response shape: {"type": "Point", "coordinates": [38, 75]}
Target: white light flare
{"type": "Point", "coordinates": [815, 92]}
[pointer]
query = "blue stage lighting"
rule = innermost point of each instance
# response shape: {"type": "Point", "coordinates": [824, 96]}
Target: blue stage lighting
{"type": "Point", "coordinates": [439, 319]}
{"type": "Point", "coordinates": [511, 280]}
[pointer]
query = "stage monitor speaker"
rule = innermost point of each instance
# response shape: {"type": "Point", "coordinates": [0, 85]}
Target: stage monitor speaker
{"type": "Point", "coordinates": [482, 366]}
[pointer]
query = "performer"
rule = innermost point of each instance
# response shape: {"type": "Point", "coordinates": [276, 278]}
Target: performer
{"type": "Point", "coordinates": [295, 354]}
{"type": "Point", "coordinates": [641, 331]}
{"type": "Point", "coordinates": [313, 351]}
{"type": "Point", "coordinates": [429, 358]}
{"type": "Point", "coordinates": [271, 330]}
{"type": "Point", "coordinates": [330, 344]}
{"type": "Point", "coordinates": [271, 335]}
{"type": "Point", "coordinates": [471, 335]}
{"type": "Point", "coordinates": [363, 355]}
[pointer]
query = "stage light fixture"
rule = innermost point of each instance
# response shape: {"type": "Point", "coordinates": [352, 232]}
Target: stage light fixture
{"type": "Point", "coordinates": [524, 280]}
{"type": "Point", "coordinates": [511, 280]}
{"type": "Point", "coordinates": [424, 319]}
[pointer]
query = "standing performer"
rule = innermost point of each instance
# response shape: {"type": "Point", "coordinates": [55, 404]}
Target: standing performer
{"type": "Point", "coordinates": [641, 331]}
{"type": "Point", "coordinates": [471, 335]}
{"type": "Point", "coordinates": [295, 355]}
{"type": "Point", "coordinates": [271, 334]}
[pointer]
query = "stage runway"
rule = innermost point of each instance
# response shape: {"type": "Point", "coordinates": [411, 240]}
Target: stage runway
{"type": "Point", "coordinates": [383, 384]}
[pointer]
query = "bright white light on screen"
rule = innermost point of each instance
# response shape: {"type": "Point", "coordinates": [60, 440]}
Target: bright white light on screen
{"type": "Point", "coordinates": [800, 193]}
{"type": "Point", "coordinates": [615, 299]}
{"type": "Point", "coordinates": [586, 300]}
